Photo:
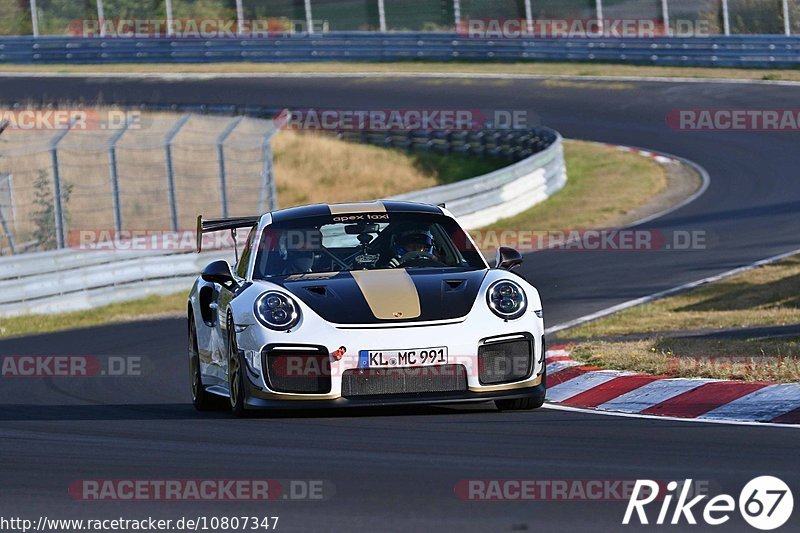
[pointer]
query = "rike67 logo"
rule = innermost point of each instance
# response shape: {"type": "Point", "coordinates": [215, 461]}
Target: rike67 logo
{"type": "Point", "coordinates": [765, 503]}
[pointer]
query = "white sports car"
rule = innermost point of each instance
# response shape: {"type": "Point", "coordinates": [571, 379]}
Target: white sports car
{"type": "Point", "coordinates": [362, 304]}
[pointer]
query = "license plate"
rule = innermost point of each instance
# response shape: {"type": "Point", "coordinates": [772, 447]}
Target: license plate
{"type": "Point", "coordinates": [401, 358]}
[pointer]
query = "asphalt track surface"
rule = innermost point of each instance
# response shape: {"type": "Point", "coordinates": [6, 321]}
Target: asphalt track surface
{"type": "Point", "coordinates": [397, 469]}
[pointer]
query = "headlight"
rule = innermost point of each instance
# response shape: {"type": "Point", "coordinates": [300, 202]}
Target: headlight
{"type": "Point", "coordinates": [507, 300]}
{"type": "Point", "coordinates": [276, 311]}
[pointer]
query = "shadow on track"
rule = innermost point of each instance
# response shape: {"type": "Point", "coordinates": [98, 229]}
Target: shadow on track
{"type": "Point", "coordinates": [177, 411]}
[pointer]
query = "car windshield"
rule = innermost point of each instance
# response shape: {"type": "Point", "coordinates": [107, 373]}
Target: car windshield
{"type": "Point", "coordinates": [366, 241]}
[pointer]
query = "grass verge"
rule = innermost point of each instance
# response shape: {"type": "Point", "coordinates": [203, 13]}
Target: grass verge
{"type": "Point", "coordinates": [544, 69]}
{"type": "Point", "coordinates": [591, 167]}
{"type": "Point", "coordinates": [604, 185]}
{"type": "Point", "coordinates": [744, 327]}
{"type": "Point", "coordinates": [150, 307]}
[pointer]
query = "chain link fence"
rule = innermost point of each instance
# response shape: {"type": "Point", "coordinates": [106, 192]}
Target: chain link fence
{"type": "Point", "coordinates": [65, 17]}
{"type": "Point", "coordinates": [124, 171]}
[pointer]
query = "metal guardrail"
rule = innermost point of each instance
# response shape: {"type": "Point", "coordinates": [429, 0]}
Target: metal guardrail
{"type": "Point", "coordinates": [91, 279]}
{"type": "Point", "coordinates": [539, 170]}
{"type": "Point", "coordinates": [67, 280]}
{"type": "Point", "coordinates": [514, 145]}
{"type": "Point", "coordinates": [725, 51]}
{"type": "Point", "coordinates": [506, 192]}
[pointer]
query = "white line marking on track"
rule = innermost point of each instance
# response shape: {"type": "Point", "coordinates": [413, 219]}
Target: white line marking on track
{"type": "Point", "coordinates": [669, 292]}
{"type": "Point", "coordinates": [559, 407]}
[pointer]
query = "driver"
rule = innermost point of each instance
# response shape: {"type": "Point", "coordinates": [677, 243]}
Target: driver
{"type": "Point", "coordinates": [298, 249]}
{"type": "Point", "coordinates": [416, 241]}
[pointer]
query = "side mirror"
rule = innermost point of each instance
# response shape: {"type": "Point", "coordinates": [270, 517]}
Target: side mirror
{"type": "Point", "coordinates": [218, 272]}
{"type": "Point", "coordinates": [508, 258]}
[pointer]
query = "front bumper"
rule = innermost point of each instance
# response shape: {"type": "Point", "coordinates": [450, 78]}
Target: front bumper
{"type": "Point", "coordinates": [460, 338]}
{"type": "Point", "coordinates": [258, 399]}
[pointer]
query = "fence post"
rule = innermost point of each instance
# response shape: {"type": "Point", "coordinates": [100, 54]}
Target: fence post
{"type": "Point", "coordinates": [239, 17]}
{"type": "Point", "coordinates": [101, 18]}
{"type": "Point", "coordinates": [457, 12]}
{"type": "Point", "coordinates": [787, 23]}
{"type": "Point", "coordinates": [726, 18]}
{"type": "Point", "coordinates": [113, 172]}
{"type": "Point", "coordinates": [529, 16]}
{"type": "Point", "coordinates": [382, 16]}
{"type": "Point", "coordinates": [173, 201]}
{"type": "Point", "coordinates": [223, 186]}
{"type": "Point", "coordinates": [268, 173]}
{"type": "Point", "coordinates": [665, 17]}
{"type": "Point", "coordinates": [599, 10]}
{"type": "Point", "coordinates": [34, 18]}
{"type": "Point", "coordinates": [309, 16]}
{"type": "Point", "coordinates": [12, 243]}
{"type": "Point", "coordinates": [58, 207]}
{"type": "Point", "coordinates": [168, 8]}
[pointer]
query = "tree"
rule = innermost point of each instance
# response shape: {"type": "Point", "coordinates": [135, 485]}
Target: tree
{"type": "Point", "coordinates": [44, 215]}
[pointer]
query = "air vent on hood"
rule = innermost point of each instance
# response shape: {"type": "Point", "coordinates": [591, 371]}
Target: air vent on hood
{"type": "Point", "coordinates": [318, 290]}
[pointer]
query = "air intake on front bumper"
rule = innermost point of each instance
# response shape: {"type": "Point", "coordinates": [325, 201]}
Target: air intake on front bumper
{"type": "Point", "coordinates": [418, 380]}
{"type": "Point", "coordinates": [504, 360]}
{"type": "Point", "coordinates": [299, 369]}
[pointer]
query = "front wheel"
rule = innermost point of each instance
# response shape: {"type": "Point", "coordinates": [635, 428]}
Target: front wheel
{"type": "Point", "coordinates": [235, 375]}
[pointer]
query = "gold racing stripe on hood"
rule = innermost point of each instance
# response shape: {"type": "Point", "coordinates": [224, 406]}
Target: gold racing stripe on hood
{"type": "Point", "coordinates": [361, 207]}
{"type": "Point", "coordinates": [391, 294]}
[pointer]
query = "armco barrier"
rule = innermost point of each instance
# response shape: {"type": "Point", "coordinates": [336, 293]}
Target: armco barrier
{"type": "Point", "coordinates": [92, 278]}
{"type": "Point", "coordinates": [725, 51]}
{"type": "Point", "coordinates": [65, 280]}
{"type": "Point", "coordinates": [538, 172]}
{"type": "Point", "coordinates": [483, 200]}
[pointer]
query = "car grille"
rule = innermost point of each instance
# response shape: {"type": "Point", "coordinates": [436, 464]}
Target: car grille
{"type": "Point", "coordinates": [298, 369]}
{"type": "Point", "coordinates": [418, 380]}
{"type": "Point", "coordinates": [505, 361]}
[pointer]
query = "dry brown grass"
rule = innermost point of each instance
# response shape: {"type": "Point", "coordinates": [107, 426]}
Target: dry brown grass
{"type": "Point", "coordinates": [604, 184]}
{"type": "Point", "coordinates": [749, 359]}
{"type": "Point", "coordinates": [314, 168]}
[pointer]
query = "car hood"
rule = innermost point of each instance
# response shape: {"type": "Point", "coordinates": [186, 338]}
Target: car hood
{"type": "Point", "coordinates": [387, 296]}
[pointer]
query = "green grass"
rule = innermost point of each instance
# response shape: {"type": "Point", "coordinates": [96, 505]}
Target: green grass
{"type": "Point", "coordinates": [545, 69]}
{"type": "Point", "coordinates": [150, 307]}
{"type": "Point", "coordinates": [450, 169]}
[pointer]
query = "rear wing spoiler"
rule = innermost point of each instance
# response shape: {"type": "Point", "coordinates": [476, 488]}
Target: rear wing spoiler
{"type": "Point", "coordinates": [222, 224]}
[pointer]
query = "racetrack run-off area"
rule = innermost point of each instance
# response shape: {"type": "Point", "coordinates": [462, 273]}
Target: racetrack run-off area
{"type": "Point", "coordinates": [397, 469]}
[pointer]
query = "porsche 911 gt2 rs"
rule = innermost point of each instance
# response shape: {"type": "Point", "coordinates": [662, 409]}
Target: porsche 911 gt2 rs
{"type": "Point", "coordinates": [370, 303]}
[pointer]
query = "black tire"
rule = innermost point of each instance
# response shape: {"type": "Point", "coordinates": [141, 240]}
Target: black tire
{"type": "Point", "coordinates": [519, 404]}
{"type": "Point", "coordinates": [235, 375]}
{"type": "Point", "coordinates": [201, 399]}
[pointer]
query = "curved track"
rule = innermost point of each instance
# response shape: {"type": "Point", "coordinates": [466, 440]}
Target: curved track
{"type": "Point", "coordinates": [399, 472]}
